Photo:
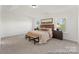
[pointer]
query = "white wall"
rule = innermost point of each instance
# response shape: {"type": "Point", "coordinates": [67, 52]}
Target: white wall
{"type": "Point", "coordinates": [15, 23]}
{"type": "Point", "coordinates": [78, 24]}
{"type": "Point", "coordinates": [78, 28]}
{"type": "Point", "coordinates": [71, 25]}
{"type": "Point", "coordinates": [0, 23]}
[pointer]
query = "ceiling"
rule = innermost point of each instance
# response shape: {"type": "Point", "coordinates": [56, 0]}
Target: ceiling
{"type": "Point", "coordinates": [43, 10]}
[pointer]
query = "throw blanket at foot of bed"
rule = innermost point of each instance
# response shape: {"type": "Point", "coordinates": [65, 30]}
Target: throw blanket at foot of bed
{"type": "Point", "coordinates": [43, 36]}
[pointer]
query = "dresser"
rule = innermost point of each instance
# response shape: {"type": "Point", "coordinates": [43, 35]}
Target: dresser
{"type": "Point", "coordinates": [58, 34]}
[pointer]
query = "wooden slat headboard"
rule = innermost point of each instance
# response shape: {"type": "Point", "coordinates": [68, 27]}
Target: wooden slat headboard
{"type": "Point", "coordinates": [47, 26]}
{"type": "Point", "coordinates": [47, 23]}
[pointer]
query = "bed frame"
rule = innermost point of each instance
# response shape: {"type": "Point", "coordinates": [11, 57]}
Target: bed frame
{"type": "Point", "coordinates": [47, 26]}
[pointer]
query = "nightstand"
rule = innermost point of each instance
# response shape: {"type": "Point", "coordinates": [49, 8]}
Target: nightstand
{"type": "Point", "coordinates": [58, 34]}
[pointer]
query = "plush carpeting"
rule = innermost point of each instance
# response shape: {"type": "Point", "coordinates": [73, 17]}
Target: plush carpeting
{"type": "Point", "coordinates": [18, 44]}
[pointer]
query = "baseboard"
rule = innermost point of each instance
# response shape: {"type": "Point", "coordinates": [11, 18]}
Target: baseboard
{"type": "Point", "coordinates": [71, 41]}
{"type": "Point", "coordinates": [11, 36]}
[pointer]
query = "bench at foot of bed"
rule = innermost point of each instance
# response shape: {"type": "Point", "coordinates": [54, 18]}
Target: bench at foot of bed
{"type": "Point", "coordinates": [35, 39]}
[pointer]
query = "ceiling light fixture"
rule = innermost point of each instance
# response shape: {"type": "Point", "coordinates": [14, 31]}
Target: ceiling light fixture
{"type": "Point", "coordinates": [34, 6]}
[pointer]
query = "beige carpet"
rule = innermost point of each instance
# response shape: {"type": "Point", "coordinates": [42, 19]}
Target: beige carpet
{"type": "Point", "coordinates": [18, 44]}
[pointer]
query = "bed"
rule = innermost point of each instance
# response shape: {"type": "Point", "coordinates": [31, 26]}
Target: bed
{"type": "Point", "coordinates": [42, 35]}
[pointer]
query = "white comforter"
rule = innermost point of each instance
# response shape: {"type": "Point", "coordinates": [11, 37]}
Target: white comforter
{"type": "Point", "coordinates": [44, 36]}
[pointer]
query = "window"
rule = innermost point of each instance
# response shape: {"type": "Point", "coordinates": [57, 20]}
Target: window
{"type": "Point", "coordinates": [60, 23]}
